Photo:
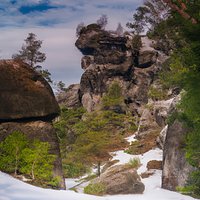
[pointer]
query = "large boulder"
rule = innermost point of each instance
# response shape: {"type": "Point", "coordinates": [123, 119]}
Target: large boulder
{"type": "Point", "coordinates": [176, 169]}
{"type": "Point", "coordinates": [24, 93]}
{"type": "Point", "coordinates": [121, 179]}
{"type": "Point", "coordinates": [28, 105]}
{"type": "Point", "coordinates": [147, 58]}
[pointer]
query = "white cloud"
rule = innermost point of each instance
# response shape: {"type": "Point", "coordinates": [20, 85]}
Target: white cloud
{"type": "Point", "coordinates": [56, 27]}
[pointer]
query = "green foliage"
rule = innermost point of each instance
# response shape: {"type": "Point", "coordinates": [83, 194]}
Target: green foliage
{"type": "Point", "coordinates": [113, 97]}
{"type": "Point", "coordinates": [157, 93]}
{"type": "Point", "coordinates": [183, 71]}
{"type": "Point", "coordinates": [37, 162]}
{"type": "Point", "coordinates": [30, 51]}
{"type": "Point", "coordinates": [74, 169]}
{"type": "Point", "coordinates": [134, 163]}
{"type": "Point", "coordinates": [55, 182]}
{"type": "Point", "coordinates": [11, 151]}
{"type": "Point", "coordinates": [20, 155]}
{"type": "Point", "coordinates": [65, 126]}
{"type": "Point", "coordinates": [192, 188]}
{"type": "Point", "coordinates": [95, 189]}
{"type": "Point", "coordinates": [93, 139]}
{"type": "Point", "coordinates": [87, 138]}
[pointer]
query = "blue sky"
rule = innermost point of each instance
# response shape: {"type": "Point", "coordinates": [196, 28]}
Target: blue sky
{"type": "Point", "coordinates": [54, 22]}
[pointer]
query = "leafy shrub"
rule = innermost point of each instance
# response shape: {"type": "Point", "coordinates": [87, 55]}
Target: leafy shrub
{"type": "Point", "coordinates": [156, 93]}
{"type": "Point", "coordinates": [55, 181]}
{"type": "Point", "coordinates": [75, 169]}
{"type": "Point", "coordinates": [113, 97]}
{"type": "Point", "coordinates": [95, 189]}
{"type": "Point", "coordinates": [20, 155]}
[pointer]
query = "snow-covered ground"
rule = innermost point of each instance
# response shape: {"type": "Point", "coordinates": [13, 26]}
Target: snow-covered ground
{"type": "Point", "coordinates": [13, 189]}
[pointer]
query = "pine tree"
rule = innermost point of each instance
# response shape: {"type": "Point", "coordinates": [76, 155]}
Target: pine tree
{"type": "Point", "coordinates": [11, 151]}
{"type": "Point", "coordinates": [37, 161]}
{"type": "Point", "coordinates": [30, 51]}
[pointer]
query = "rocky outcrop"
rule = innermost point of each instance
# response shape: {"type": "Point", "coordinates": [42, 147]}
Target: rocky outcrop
{"type": "Point", "coordinates": [121, 179]}
{"type": "Point", "coordinates": [24, 93]}
{"type": "Point", "coordinates": [108, 58]}
{"type": "Point", "coordinates": [28, 105]}
{"type": "Point", "coordinates": [175, 167]}
{"type": "Point", "coordinates": [70, 97]}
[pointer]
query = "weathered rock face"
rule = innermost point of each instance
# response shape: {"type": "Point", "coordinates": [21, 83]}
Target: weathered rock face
{"type": "Point", "coordinates": [70, 98]}
{"type": "Point", "coordinates": [121, 179]}
{"type": "Point", "coordinates": [175, 167]}
{"type": "Point", "coordinates": [153, 119]}
{"type": "Point", "coordinates": [108, 58]}
{"type": "Point", "coordinates": [24, 93]}
{"type": "Point", "coordinates": [27, 104]}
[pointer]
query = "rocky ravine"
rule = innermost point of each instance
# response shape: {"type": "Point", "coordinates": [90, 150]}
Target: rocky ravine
{"type": "Point", "coordinates": [27, 104]}
{"type": "Point", "coordinates": [109, 58]}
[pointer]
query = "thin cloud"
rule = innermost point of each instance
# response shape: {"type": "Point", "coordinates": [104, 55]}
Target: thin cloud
{"type": "Point", "coordinates": [55, 24]}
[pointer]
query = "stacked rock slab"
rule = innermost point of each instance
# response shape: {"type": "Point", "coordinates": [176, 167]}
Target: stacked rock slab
{"type": "Point", "coordinates": [109, 58]}
{"type": "Point", "coordinates": [27, 104]}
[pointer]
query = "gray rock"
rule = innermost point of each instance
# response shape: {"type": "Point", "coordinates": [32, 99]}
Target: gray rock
{"type": "Point", "coordinates": [70, 97]}
{"type": "Point", "coordinates": [108, 58]}
{"type": "Point", "coordinates": [175, 167]}
{"type": "Point", "coordinates": [86, 61]}
{"type": "Point", "coordinates": [161, 138]}
{"type": "Point", "coordinates": [147, 58]}
{"type": "Point", "coordinates": [121, 179]}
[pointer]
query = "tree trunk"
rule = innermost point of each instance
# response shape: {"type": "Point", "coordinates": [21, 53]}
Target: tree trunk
{"type": "Point", "coordinates": [16, 161]}
{"type": "Point", "coordinates": [32, 171]}
{"type": "Point", "coordinates": [98, 168]}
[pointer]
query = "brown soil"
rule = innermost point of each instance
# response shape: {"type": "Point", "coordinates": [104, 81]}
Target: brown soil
{"type": "Point", "coordinates": [154, 164]}
{"type": "Point", "coordinates": [143, 144]}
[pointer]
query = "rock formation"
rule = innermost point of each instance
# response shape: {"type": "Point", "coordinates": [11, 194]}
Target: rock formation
{"type": "Point", "coordinates": [108, 58]}
{"type": "Point", "coordinates": [176, 169]}
{"type": "Point", "coordinates": [121, 179]}
{"type": "Point", "coordinates": [27, 104]}
{"type": "Point", "coordinates": [70, 97]}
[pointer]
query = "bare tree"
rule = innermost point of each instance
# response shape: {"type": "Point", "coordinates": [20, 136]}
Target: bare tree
{"type": "Point", "coordinates": [102, 21]}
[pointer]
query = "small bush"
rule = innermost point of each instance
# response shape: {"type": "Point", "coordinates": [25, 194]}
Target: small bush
{"type": "Point", "coordinates": [95, 189]}
{"type": "Point", "coordinates": [156, 93]}
{"type": "Point", "coordinates": [74, 170]}
{"type": "Point", "coordinates": [135, 163]}
{"type": "Point", "coordinates": [55, 182]}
